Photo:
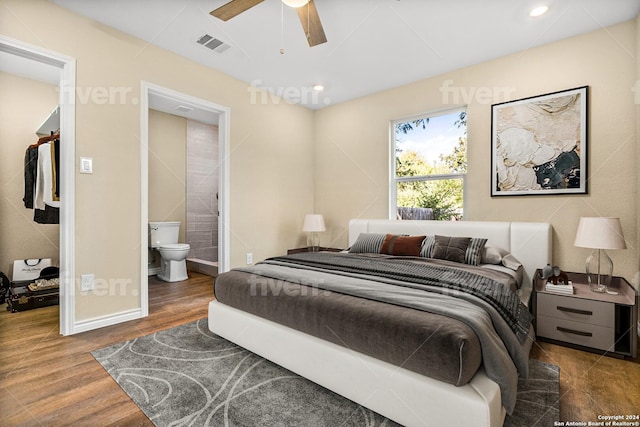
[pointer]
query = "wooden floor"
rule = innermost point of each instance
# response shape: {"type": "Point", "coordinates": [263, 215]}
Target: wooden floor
{"type": "Point", "coordinates": [50, 380]}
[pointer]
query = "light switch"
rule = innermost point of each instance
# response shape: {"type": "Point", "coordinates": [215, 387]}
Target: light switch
{"type": "Point", "coordinates": [86, 165]}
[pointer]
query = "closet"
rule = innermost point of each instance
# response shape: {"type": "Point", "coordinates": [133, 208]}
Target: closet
{"type": "Point", "coordinates": [28, 111]}
{"type": "Point", "coordinates": [42, 172]}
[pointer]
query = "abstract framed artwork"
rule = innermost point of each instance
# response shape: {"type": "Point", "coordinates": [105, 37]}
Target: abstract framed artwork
{"type": "Point", "coordinates": [539, 145]}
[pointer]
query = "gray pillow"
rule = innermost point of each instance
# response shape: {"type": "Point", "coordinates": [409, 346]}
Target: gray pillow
{"type": "Point", "coordinates": [451, 248]}
{"type": "Point", "coordinates": [368, 243]}
{"type": "Point", "coordinates": [473, 253]}
{"type": "Point", "coordinates": [428, 244]}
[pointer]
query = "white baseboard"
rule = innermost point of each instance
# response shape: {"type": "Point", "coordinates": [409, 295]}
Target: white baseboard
{"type": "Point", "coordinates": [109, 320]}
{"type": "Point", "coordinates": [154, 270]}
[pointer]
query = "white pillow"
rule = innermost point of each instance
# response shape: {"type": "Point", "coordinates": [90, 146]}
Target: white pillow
{"type": "Point", "coordinates": [498, 256]}
{"type": "Point", "coordinates": [511, 262]}
{"type": "Point", "coordinates": [493, 255]}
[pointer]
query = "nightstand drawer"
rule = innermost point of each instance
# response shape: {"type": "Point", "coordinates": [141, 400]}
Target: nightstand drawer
{"type": "Point", "coordinates": [575, 309]}
{"type": "Point", "coordinates": [576, 333]}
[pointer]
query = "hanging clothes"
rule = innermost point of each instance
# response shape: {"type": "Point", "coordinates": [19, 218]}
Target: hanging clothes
{"type": "Point", "coordinates": [30, 171]}
{"type": "Point", "coordinates": [55, 162]}
{"type": "Point", "coordinates": [41, 180]}
{"type": "Point", "coordinates": [45, 178]}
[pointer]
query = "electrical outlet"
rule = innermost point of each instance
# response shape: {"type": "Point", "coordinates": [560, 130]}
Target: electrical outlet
{"type": "Point", "coordinates": [87, 282]}
{"type": "Point", "coordinates": [249, 258]}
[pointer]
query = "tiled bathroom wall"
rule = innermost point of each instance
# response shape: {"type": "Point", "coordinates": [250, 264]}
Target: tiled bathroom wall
{"type": "Point", "coordinates": [202, 190]}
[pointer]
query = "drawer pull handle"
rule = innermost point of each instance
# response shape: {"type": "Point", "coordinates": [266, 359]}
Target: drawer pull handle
{"type": "Point", "coordinates": [574, 310]}
{"type": "Point", "coordinates": [571, 331]}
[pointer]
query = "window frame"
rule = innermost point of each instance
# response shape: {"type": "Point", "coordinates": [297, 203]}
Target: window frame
{"type": "Point", "coordinates": [394, 180]}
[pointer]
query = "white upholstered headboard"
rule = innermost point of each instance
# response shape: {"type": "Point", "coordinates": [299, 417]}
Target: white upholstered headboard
{"type": "Point", "coordinates": [529, 242]}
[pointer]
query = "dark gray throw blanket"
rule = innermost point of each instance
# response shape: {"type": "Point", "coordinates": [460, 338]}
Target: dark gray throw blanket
{"type": "Point", "coordinates": [414, 274]}
{"type": "Point", "coordinates": [400, 282]}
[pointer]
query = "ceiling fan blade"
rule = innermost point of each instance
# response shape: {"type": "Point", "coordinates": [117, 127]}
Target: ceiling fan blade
{"type": "Point", "coordinates": [234, 8]}
{"type": "Point", "coordinates": [311, 24]}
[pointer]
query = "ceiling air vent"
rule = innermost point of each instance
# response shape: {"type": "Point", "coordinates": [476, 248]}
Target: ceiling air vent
{"type": "Point", "coordinates": [210, 42]}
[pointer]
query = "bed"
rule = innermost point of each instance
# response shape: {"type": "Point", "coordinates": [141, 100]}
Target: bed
{"type": "Point", "coordinates": [368, 367]}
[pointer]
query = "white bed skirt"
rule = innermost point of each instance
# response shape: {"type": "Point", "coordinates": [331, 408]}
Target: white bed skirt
{"type": "Point", "coordinates": [396, 393]}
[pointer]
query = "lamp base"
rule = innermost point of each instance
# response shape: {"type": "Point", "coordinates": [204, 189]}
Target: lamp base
{"type": "Point", "coordinates": [313, 242]}
{"type": "Point", "coordinates": [599, 271]}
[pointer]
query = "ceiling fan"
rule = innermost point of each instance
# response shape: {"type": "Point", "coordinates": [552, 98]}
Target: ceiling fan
{"type": "Point", "coordinates": [306, 9]}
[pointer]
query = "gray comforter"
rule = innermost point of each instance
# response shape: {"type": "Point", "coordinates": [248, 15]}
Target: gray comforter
{"type": "Point", "coordinates": [494, 317]}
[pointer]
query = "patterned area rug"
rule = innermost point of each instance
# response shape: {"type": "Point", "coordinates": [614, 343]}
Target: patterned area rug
{"type": "Point", "coordinates": [189, 376]}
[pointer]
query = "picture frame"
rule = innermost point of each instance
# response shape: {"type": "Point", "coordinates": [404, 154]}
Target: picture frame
{"type": "Point", "coordinates": [539, 144]}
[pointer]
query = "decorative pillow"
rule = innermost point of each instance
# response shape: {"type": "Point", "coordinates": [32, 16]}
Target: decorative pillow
{"type": "Point", "coordinates": [428, 244]}
{"type": "Point", "coordinates": [492, 255]}
{"type": "Point", "coordinates": [511, 262]}
{"type": "Point", "coordinates": [402, 245]}
{"type": "Point", "coordinates": [474, 250]}
{"type": "Point", "coordinates": [368, 243]}
{"type": "Point", "coordinates": [451, 248]}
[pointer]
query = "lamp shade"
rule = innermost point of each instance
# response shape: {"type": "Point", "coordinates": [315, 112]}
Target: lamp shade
{"type": "Point", "coordinates": [600, 233]}
{"type": "Point", "coordinates": [313, 223]}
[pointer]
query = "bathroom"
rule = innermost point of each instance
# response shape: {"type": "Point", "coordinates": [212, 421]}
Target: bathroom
{"type": "Point", "coordinates": [183, 186]}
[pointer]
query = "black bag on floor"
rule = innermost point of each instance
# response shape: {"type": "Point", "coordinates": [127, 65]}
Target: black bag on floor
{"type": "Point", "coordinates": [21, 298]}
{"type": "Point", "coordinates": [4, 287]}
{"type": "Point", "coordinates": [26, 295]}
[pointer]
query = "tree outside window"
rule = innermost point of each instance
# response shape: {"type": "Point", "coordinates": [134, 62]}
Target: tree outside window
{"type": "Point", "coordinates": [429, 166]}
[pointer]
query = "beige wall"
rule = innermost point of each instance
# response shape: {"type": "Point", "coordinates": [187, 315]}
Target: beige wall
{"type": "Point", "coordinates": [167, 172]}
{"type": "Point", "coordinates": [24, 105]}
{"type": "Point", "coordinates": [167, 169]}
{"type": "Point", "coordinates": [269, 145]}
{"type": "Point", "coordinates": [352, 140]}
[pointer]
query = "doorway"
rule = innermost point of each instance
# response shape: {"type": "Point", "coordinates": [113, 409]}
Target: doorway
{"type": "Point", "coordinates": [164, 99]}
{"type": "Point", "coordinates": [34, 57]}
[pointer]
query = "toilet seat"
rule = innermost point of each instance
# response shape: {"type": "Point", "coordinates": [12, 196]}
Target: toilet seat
{"type": "Point", "coordinates": [175, 247]}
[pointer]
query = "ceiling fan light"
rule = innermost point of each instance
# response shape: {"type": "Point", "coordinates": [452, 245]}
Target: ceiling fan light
{"type": "Point", "coordinates": [295, 3]}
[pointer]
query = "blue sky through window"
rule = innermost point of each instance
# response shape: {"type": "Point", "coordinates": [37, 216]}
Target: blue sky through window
{"type": "Point", "coordinates": [440, 136]}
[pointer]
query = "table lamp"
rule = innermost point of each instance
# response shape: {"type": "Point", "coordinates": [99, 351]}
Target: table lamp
{"type": "Point", "coordinates": [313, 224]}
{"type": "Point", "coordinates": [599, 233]}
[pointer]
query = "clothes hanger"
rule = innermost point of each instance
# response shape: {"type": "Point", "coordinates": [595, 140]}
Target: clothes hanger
{"type": "Point", "coordinates": [49, 138]}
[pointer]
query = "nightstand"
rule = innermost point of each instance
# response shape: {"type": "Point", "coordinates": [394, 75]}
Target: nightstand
{"type": "Point", "coordinates": [306, 249]}
{"type": "Point", "coordinates": [588, 320]}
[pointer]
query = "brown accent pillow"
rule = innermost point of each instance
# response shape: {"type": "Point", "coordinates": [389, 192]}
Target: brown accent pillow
{"type": "Point", "coordinates": [451, 248]}
{"type": "Point", "coordinates": [402, 245]}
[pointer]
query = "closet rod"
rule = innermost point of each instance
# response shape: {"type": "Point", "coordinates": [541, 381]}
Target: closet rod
{"type": "Point", "coordinates": [52, 137]}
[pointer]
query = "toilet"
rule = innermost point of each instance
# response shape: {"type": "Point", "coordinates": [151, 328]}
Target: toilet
{"type": "Point", "coordinates": [163, 236]}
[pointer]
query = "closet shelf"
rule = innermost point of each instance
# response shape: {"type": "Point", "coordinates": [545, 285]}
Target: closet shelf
{"type": "Point", "coordinates": [51, 124]}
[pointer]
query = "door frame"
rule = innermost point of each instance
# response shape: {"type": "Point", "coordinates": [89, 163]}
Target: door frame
{"type": "Point", "coordinates": [67, 88]}
{"type": "Point", "coordinates": [147, 89]}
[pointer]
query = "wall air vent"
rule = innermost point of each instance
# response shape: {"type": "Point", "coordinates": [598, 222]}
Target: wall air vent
{"type": "Point", "coordinates": [212, 43]}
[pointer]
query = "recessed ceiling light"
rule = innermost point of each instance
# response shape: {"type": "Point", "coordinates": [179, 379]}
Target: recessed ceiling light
{"type": "Point", "coordinates": [295, 3]}
{"type": "Point", "coordinates": [539, 11]}
{"type": "Point", "coordinates": [318, 88]}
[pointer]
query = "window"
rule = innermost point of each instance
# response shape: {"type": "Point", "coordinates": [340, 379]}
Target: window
{"type": "Point", "coordinates": [429, 165]}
